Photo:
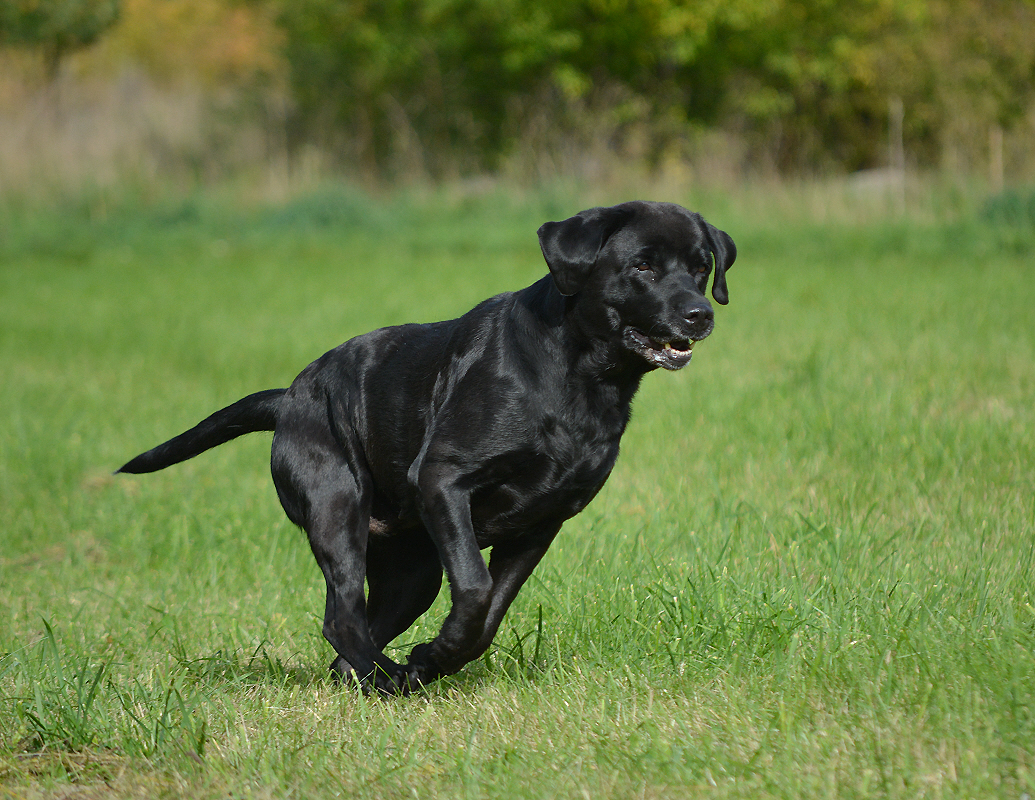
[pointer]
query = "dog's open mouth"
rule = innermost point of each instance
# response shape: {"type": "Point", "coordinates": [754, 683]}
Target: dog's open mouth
{"type": "Point", "coordinates": [673, 354]}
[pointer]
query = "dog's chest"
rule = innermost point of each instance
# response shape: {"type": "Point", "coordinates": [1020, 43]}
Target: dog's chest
{"type": "Point", "coordinates": [552, 478]}
{"type": "Point", "coordinates": [583, 449]}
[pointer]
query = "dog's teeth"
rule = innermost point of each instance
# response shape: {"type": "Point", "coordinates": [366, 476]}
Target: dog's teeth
{"type": "Point", "coordinates": [668, 345]}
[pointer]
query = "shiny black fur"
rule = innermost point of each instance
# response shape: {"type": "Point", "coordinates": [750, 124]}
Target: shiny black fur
{"type": "Point", "coordinates": [406, 451]}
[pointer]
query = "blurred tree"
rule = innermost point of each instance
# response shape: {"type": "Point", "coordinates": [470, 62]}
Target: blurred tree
{"type": "Point", "coordinates": [212, 43]}
{"type": "Point", "coordinates": [57, 27]}
{"type": "Point", "coordinates": [809, 80]}
{"type": "Point", "coordinates": [982, 53]}
{"type": "Point", "coordinates": [443, 81]}
{"type": "Point", "coordinates": [440, 87]}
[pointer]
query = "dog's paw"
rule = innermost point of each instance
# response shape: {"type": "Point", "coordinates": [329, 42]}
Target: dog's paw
{"type": "Point", "coordinates": [423, 664]}
{"type": "Point", "coordinates": [391, 679]}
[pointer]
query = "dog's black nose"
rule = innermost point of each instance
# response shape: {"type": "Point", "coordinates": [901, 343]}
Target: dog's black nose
{"type": "Point", "coordinates": [700, 318]}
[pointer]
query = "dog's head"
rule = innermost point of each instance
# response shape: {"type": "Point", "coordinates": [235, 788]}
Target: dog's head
{"type": "Point", "coordinates": [640, 272]}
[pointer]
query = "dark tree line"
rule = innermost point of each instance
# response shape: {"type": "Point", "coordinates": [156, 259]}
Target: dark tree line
{"type": "Point", "coordinates": [452, 86]}
{"type": "Point", "coordinates": [807, 84]}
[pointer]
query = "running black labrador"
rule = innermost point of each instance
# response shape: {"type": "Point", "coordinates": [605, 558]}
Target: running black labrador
{"type": "Point", "coordinates": [408, 450]}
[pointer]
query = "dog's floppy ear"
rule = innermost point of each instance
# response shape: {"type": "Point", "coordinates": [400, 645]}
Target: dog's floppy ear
{"type": "Point", "coordinates": [725, 253]}
{"type": "Point", "coordinates": [571, 247]}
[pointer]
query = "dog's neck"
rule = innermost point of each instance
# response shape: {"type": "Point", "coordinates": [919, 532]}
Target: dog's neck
{"type": "Point", "coordinates": [598, 368]}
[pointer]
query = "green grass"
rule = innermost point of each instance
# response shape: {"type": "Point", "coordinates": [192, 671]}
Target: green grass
{"type": "Point", "coordinates": [809, 576]}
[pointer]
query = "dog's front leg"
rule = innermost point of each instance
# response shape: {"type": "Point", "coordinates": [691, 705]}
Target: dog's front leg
{"type": "Point", "coordinates": [446, 510]}
{"type": "Point", "coordinates": [510, 565]}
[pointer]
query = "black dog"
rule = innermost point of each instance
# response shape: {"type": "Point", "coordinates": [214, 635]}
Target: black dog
{"type": "Point", "coordinates": [408, 450]}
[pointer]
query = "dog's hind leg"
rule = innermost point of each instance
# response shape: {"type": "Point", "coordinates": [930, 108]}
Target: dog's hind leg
{"type": "Point", "coordinates": [331, 502]}
{"type": "Point", "coordinates": [404, 576]}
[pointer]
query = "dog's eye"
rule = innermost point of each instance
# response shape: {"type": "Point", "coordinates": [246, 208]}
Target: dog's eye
{"type": "Point", "coordinates": [643, 266]}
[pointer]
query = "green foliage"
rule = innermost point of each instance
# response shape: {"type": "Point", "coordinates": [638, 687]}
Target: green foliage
{"type": "Point", "coordinates": [817, 76]}
{"type": "Point", "coordinates": [57, 27]}
{"type": "Point", "coordinates": [440, 85]}
{"type": "Point", "coordinates": [440, 88]}
{"type": "Point", "coordinates": [453, 81]}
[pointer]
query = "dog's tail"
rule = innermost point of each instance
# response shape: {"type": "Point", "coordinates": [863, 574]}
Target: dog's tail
{"type": "Point", "coordinates": [256, 412]}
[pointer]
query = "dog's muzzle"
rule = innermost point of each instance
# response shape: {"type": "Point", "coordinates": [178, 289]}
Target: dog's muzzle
{"type": "Point", "coordinates": [672, 354]}
{"type": "Point", "coordinates": [673, 351]}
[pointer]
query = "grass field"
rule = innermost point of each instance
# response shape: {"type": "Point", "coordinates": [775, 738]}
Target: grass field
{"type": "Point", "coordinates": [810, 574]}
